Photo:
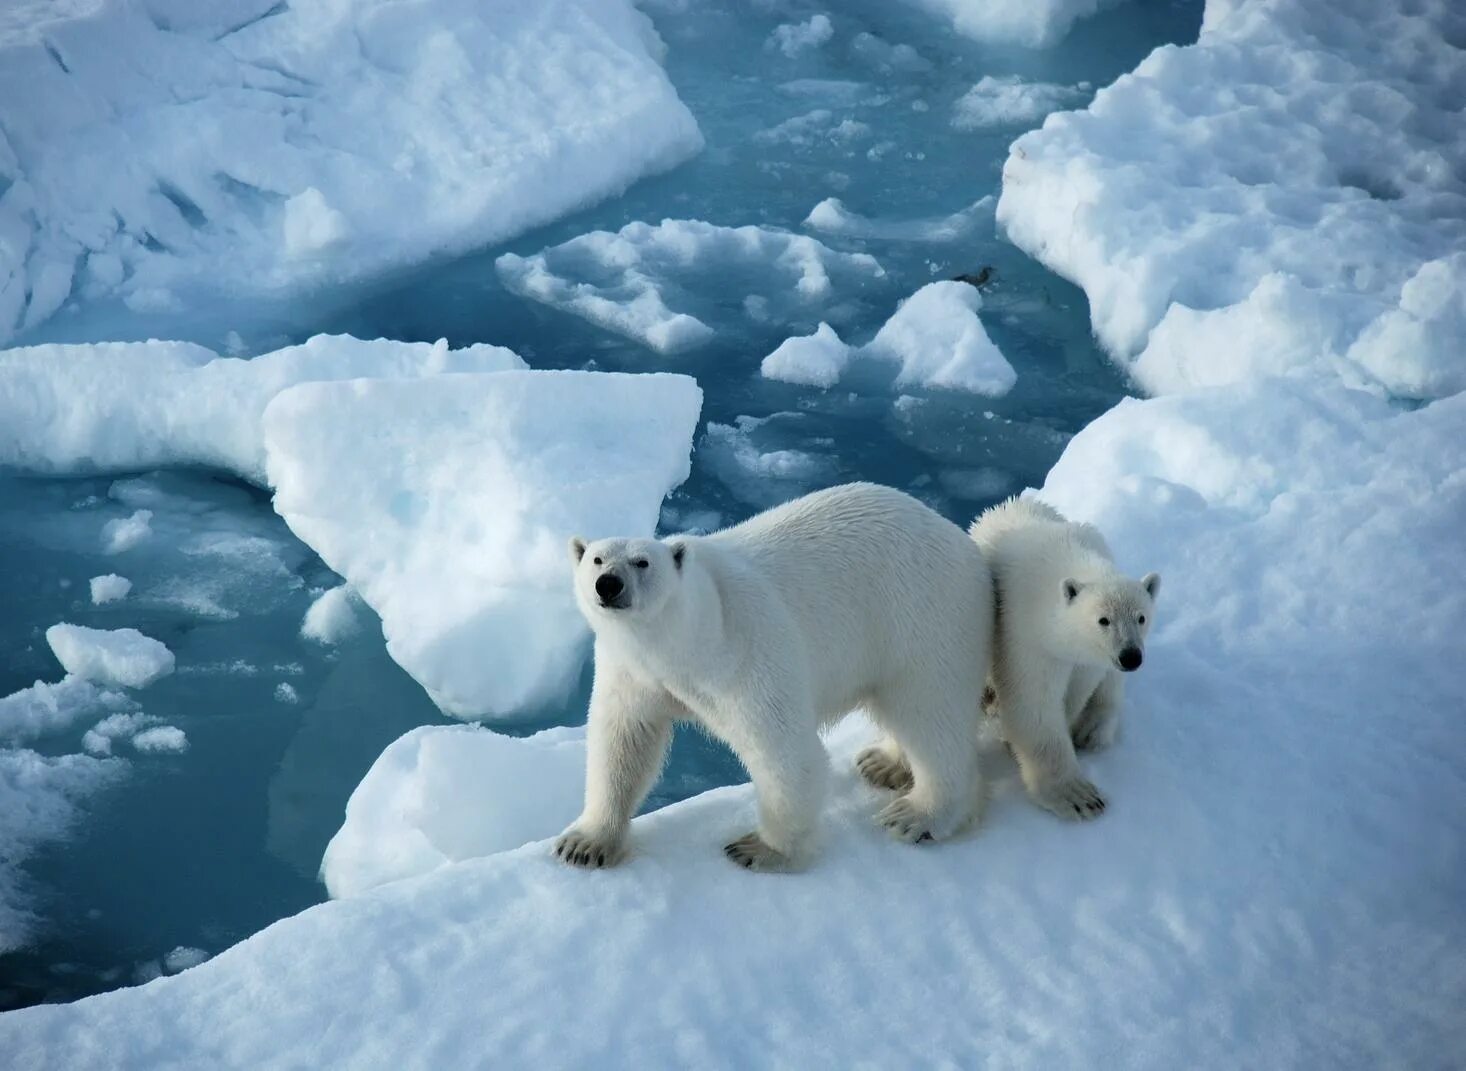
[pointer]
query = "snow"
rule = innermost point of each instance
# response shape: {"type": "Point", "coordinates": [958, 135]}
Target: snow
{"type": "Point", "coordinates": [938, 340]}
{"type": "Point", "coordinates": [816, 360]}
{"type": "Point", "coordinates": [1007, 100]}
{"type": "Point", "coordinates": [1285, 197]}
{"type": "Point", "coordinates": [831, 216]}
{"type": "Point", "coordinates": [255, 148]}
{"type": "Point", "coordinates": [1030, 23]}
{"type": "Point", "coordinates": [794, 38]}
{"type": "Point", "coordinates": [43, 709]}
{"type": "Point", "coordinates": [40, 800]}
{"type": "Point", "coordinates": [631, 281]}
{"type": "Point", "coordinates": [446, 503]}
{"type": "Point", "coordinates": [443, 794]}
{"type": "Point", "coordinates": [332, 617]}
{"type": "Point", "coordinates": [124, 533]}
{"type": "Point", "coordinates": [116, 406]}
{"type": "Point", "coordinates": [109, 588]}
{"type": "Point", "coordinates": [162, 738]}
{"type": "Point", "coordinates": [119, 657]}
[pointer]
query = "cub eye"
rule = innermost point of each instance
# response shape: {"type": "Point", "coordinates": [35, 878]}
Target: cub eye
{"type": "Point", "coordinates": [1142, 619]}
{"type": "Point", "coordinates": [1104, 622]}
{"type": "Point", "coordinates": [597, 561]}
{"type": "Point", "coordinates": [642, 563]}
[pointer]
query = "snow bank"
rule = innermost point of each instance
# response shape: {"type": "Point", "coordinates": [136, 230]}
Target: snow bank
{"type": "Point", "coordinates": [1032, 23]}
{"type": "Point", "coordinates": [816, 360]}
{"type": "Point", "coordinates": [108, 588]}
{"type": "Point", "coordinates": [446, 503]}
{"type": "Point", "coordinates": [158, 150]}
{"type": "Point", "coordinates": [938, 341]}
{"type": "Point", "coordinates": [332, 617]}
{"type": "Point", "coordinates": [832, 217]}
{"type": "Point", "coordinates": [135, 405]}
{"type": "Point", "coordinates": [44, 708]}
{"type": "Point", "coordinates": [1285, 197]}
{"type": "Point", "coordinates": [1010, 101]}
{"type": "Point", "coordinates": [629, 281]}
{"type": "Point", "coordinates": [443, 794]}
{"type": "Point", "coordinates": [119, 657]}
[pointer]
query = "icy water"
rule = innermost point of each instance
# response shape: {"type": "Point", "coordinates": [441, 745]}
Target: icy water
{"type": "Point", "coordinates": [202, 848]}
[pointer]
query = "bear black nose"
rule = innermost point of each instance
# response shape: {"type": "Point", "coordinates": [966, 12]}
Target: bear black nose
{"type": "Point", "coordinates": [1130, 659]}
{"type": "Point", "coordinates": [609, 585]}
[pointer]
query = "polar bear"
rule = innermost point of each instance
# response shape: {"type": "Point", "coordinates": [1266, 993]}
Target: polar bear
{"type": "Point", "coordinates": [763, 633]}
{"type": "Point", "coordinates": [1069, 625]}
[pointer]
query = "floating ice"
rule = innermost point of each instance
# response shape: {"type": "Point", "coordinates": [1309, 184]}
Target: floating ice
{"type": "Point", "coordinates": [832, 217]}
{"type": "Point", "coordinates": [99, 738]}
{"type": "Point", "coordinates": [138, 405]}
{"type": "Point", "coordinates": [816, 360]}
{"type": "Point", "coordinates": [285, 693]}
{"type": "Point", "coordinates": [1011, 101]}
{"type": "Point", "coordinates": [164, 151]}
{"type": "Point", "coordinates": [938, 341]}
{"type": "Point", "coordinates": [747, 456]}
{"type": "Point", "coordinates": [109, 588]}
{"type": "Point", "coordinates": [1033, 23]}
{"type": "Point", "coordinates": [332, 617]}
{"type": "Point", "coordinates": [793, 38]}
{"type": "Point", "coordinates": [442, 794]}
{"type": "Point", "coordinates": [122, 656]}
{"type": "Point", "coordinates": [446, 504]}
{"type": "Point", "coordinates": [44, 708]}
{"type": "Point", "coordinates": [182, 958]}
{"type": "Point", "coordinates": [124, 533]}
{"type": "Point", "coordinates": [161, 738]}
{"type": "Point", "coordinates": [1285, 197]}
{"type": "Point", "coordinates": [632, 281]}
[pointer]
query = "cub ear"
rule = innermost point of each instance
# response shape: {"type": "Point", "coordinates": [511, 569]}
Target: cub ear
{"type": "Point", "coordinates": [1071, 589]}
{"type": "Point", "coordinates": [679, 553]}
{"type": "Point", "coordinates": [1152, 583]}
{"type": "Point", "coordinates": [577, 549]}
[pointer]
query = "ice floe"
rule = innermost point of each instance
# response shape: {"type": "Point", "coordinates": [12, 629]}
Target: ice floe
{"type": "Point", "coordinates": [121, 657]}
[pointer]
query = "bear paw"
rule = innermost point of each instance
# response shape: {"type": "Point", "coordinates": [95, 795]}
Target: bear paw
{"type": "Point", "coordinates": [582, 849]}
{"type": "Point", "coordinates": [1075, 799]}
{"type": "Point", "coordinates": [751, 853]}
{"type": "Point", "coordinates": [906, 821]}
{"type": "Point", "coordinates": [884, 770]}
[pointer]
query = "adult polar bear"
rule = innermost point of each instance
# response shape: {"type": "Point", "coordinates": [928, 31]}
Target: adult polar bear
{"type": "Point", "coordinates": [856, 596]}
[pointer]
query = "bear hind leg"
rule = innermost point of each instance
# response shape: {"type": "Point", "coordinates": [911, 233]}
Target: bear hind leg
{"type": "Point", "coordinates": [938, 740]}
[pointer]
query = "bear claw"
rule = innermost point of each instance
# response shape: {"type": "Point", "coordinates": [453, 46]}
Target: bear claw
{"type": "Point", "coordinates": [580, 849]}
{"type": "Point", "coordinates": [906, 821]}
{"type": "Point", "coordinates": [881, 770]}
{"type": "Point", "coordinates": [751, 853]}
{"type": "Point", "coordinates": [1075, 799]}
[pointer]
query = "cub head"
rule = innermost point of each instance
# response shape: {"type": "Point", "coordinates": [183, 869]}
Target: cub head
{"type": "Point", "coordinates": [1105, 622]}
{"type": "Point", "coordinates": [616, 578]}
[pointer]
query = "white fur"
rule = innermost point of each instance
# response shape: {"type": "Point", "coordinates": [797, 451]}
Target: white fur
{"type": "Point", "coordinates": [1056, 669]}
{"type": "Point", "coordinates": [856, 596]}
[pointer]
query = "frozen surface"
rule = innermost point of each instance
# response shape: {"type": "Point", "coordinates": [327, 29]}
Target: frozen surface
{"type": "Point", "coordinates": [446, 503]}
{"type": "Point", "coordinates": [118, 657]}
{"type": "Point", "coordinates": [937, 340]}
{"type": "Point", "coordinates": [1008, 100]}
{"type": "Point", "coordinates": [443, 794]}
{"type": "Point", "coordinates": [127, 406]}
{"type": "Point", "coordinates": [635, 281]}
{"type": "Point", "coordinates": [108, 588]}
{"type": "Point", "coordinates": [1031, 23]}
{"type": "Point", "coordinates": [165, 153]}
{"type": "Point", "coordinates": [815, 360]}
{"type": "Point", "coordinates": [1286, 197]}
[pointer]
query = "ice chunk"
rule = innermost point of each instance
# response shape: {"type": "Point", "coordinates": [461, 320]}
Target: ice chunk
{"type": "Point", "coordinates": [442, 794]}
{"type": "Point", "coordinates": [285, 693]}
{"type": "Point", "coordinates": [624, 281]}
{"type": "Point", "coordinates": [1033, 23]}
{"type": "Point", "coordinates": [332, 617]}
{"type": "Point", "coordinates": [938, 341]}
{"type": "Point", "coordinates": [138, 405]}
{"type": "Point", "coordinates": [122, 656]}
{"type": "Point", "coordinates": [170, 153]}
{"type": "Point", "coordinates": [792, 38]}
{"type": "Point", "coordinates": [161, 738]}
{"type": "Point", "coordinates": [832, 217]}
{"type": "Point", "coordinates": [109, 588]}
{"type": "Point", "coordinates": [45, 708]}
{"type": "Point", "coordinates": [751, 460]}
{"type": "Point", "coordinates": [1285, 197]}
{"type": "Point", "coordinates": [182, 958]}
{"type": "Point", "coordinates": [124, 533]}
{"type": "Point", "coordinates": [815, 360]}
{"type": "Point", "coordinates": [1011, 101]}
{"type": "Point", "coordinates": [446, 504]}
{"type": "Point", "coordinates": [99, 738]}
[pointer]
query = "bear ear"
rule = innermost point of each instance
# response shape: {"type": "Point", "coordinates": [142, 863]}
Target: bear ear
{"type": "Point", "coordinates": [679, 552]}
{"type": "Point", "coordinates": [1071, 589]}
{"type": "Point", "coordinates": [577, 549]}
{"type": "Point", "coordinates": [1152, 583]}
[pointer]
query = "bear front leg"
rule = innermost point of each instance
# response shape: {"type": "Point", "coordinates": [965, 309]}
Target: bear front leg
{"type": "Point", "coordinates": [1099, 720]}
{"type": "Point", "coordinates": [627, 736]}
{"type": "Point", "coordinates": [788, 767]}
{"type": "Point", "coordinates": [1037, 730]}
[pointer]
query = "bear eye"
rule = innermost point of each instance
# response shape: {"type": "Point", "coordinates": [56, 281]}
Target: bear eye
{"type": "Point", "coordinates": [1142, 619]}
{"type": "Point", "coordinates": [597, 561]}
{"type": "Point", "coordinates": [642, 563]}
{"type": "Point", "coordinates": [1104, 622]}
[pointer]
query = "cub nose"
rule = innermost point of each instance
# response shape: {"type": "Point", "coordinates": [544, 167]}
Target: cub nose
{"type": "Point", "coordinates": [609, 585]}
{"type": "Point", "coordinates": [1130, 659]}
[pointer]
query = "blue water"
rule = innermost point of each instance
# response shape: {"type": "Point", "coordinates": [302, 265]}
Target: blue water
{"type": "Point", "coordinates": [206, 847]}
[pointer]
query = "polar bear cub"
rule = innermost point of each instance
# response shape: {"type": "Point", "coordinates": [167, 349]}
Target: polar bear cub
{"type": "Point", "coordinates": [1069, 625]}
{"type": "Point", "coordinates": [856, 596]}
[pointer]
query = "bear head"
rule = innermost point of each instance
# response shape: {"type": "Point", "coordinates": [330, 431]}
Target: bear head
{"type": "Point", "coordinates": [1104, 623]}
{"type": "Point", "coordinates": [618, 578]}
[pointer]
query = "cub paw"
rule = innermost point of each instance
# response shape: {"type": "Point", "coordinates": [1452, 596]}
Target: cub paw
{"type": "Point", "coordinates": [751, 853]}
{"type": "Point", "coordinates": [1075, 799]}
{"type": "Point", "coordinates": [883, 770]}
{"type": "Point", "coordinates": [583, 850]}
{"type": "Point", "coordinates": [906, 821]}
